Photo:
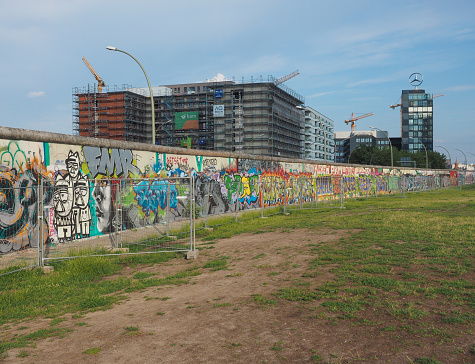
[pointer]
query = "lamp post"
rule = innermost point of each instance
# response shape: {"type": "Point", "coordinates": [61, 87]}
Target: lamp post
{"type": "Point", "coordinates": [149, 88]}
{"type": "Point", "coordinates": [465, 158]}
{"type": "Point", "coordinates": [390, 144]}
{"type": "Point", "coordinates": [440, 146]}
{"type": "Point", "coordinates": [427, 158]}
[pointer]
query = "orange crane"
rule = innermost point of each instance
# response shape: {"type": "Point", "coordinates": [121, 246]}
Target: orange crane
{"type": "Point", "coordinates": [100, 82]}
{"type": "Point", "coordinates": [353, 119]}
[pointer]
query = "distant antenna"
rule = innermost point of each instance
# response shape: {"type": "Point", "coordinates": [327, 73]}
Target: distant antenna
{"type": "Point", "coordinates": [286, 78]}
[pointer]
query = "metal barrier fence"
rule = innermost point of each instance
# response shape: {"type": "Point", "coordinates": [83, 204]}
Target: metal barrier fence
{"type": "Point", "coordinates": [19, 226]}
{"type": "Point", "coordinates": [68, 218]}
{"type": "Point", "coordinates": [142, 215]}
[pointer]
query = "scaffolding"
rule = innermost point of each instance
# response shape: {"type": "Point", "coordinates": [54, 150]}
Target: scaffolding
{"type": "Point", "coordinates": [259, 116]}
{"type": "Point", "coordinates": [117, 114]}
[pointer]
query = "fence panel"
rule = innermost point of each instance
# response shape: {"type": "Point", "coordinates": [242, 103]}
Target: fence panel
{"type": "Point", "coordinates": [19, 226]}
{"type": "Point", "coordinates": [156, 214]}
{"type": "Point", "coordinates": [143, 215]}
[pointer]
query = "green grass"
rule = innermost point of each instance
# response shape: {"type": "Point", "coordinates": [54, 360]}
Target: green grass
{"type": "Point", "coordinates": [77, 286]}
{"type": "Point", "coordinates": [409, 261]}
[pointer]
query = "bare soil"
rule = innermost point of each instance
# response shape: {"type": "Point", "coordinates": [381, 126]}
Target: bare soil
{"type": "Point", "coordinates": [215, 318]}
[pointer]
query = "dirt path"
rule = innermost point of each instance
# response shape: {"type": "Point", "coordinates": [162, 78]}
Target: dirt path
{"type": "Point", "coordinates": [216, 319]}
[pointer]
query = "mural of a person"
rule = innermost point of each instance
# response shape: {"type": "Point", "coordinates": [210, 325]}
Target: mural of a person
{"type": "Point", "coordinates": [103, 194]}
{"type": "Point", "coordinates": [63, 204]}
{"type": "Point", "coordinates": [72, 215]}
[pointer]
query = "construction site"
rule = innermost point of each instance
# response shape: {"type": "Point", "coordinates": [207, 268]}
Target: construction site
{"type": "Point", "coordinates": [257, 116]}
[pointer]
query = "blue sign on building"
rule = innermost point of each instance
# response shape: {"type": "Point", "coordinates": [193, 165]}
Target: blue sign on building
{"type": "Point", "coordinates": [218, 94]}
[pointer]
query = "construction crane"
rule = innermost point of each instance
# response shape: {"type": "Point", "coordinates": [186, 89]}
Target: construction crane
{"type": "Point", "coordinates": [286, 78]}
{"type": "Point", "coordinates": [399, 104]}
{"type": "Point", "coordinates": [100, 82]}
{"type": "Point", "coordinates": [353, 119]}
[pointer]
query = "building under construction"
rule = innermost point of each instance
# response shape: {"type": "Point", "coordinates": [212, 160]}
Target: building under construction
{"type": "Point", "coordinates": [259, 116]}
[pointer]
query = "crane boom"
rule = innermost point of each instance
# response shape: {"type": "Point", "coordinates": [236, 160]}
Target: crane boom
{"type": "Point", "coordinates": [353, 119]}
{"type": "Point", "coordinates": [100, 82]}
{"type": "Point", "coordinates": [286, 78]}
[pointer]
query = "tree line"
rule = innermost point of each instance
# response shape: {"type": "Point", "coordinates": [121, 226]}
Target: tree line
{"type": "Point", "coordinates": [372, 155]}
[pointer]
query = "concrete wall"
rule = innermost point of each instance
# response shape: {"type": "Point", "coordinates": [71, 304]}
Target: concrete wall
{"type": "Point", "coordinates": [75, 166]}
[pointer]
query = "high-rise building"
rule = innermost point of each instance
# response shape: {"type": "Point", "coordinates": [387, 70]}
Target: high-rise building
{"type": "Point", "coordinates": [417, 130]}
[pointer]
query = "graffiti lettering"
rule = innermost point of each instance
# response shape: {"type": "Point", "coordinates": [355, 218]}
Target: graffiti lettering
{"type": "Point", "coordinates": [113, 163]}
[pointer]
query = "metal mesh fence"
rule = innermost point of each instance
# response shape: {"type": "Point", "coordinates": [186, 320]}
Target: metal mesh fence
{"type": "Point", "coordinates": [70, 217]}
{"type": "Point", "coordinates": [19, 226]}
{"type": "Point", "coordinates": [90, 217]}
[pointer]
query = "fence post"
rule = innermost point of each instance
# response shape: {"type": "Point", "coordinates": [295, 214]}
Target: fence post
{"type": "Point", "coordinates": [40, 248]}
{"type": "Point", "coordinates": [261, 194]}
{"type": "Point", "coordinates": [118, 217]}
{"type": "Point", "coordinates": [192, 212]}
{"type": "Point", "coordinates": [208, 196]}
{"type": "Point", "coordinates": [167, 212]}
{"type": "Point", "coordinates": [342, 193]}
{"type": "Point", "coordinates": [300, 193]}
{"type": "Point", "coordinates": [315, 191]}
{"type": "Point", "coordinates": [237, 201]}
{"type": "Point", "coordinates": [285, 196]}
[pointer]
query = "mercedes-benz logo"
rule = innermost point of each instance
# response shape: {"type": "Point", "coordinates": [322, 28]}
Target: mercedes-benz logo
{"type": "Point", "coordinates": [415, 79]}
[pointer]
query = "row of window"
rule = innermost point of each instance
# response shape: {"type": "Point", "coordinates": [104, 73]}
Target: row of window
{"type": "Point", "coordinates": [364, 140]}
{"type": "Point", "coordinates": [190, 89]}
{"type": "Point", "coordinates": [419, 103]}
{"type": "Point", "coordinates": [420, 127]}
{"type": "Point", "coordinates": [420, 109]}
{"type": "Point", "coordinates": [419, 97]}
{"type": "Point", "coordinates": [420, 116]}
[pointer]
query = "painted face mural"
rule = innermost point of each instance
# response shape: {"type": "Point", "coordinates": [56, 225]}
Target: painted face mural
{"type": "Point", "coordinates": [72, 164]}
{"type": "Point", "coordinates": [102, 194]}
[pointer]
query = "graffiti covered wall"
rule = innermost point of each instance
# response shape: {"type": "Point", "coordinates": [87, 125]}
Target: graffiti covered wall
{"type": "Point", "coordinates": [81, 184]}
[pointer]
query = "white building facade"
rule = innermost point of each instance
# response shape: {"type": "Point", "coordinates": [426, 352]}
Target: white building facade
{"type": "Point", "coordinates": [319, 136]}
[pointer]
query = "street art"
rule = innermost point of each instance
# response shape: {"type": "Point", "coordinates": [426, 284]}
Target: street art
{"type": "Point", "coordinates": [72, 215]}
{"type": "Point", "coordinates": [20, 173]}
{"type": "Point", "coordinates": [85, 187]}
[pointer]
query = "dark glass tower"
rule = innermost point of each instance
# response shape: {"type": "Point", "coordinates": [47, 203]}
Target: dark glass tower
{"type": "Point", "coordinates": [417, 125]}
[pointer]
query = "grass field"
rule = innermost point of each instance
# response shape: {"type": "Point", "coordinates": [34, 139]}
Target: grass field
{"type": "Point", "coordinates": [407, 268]}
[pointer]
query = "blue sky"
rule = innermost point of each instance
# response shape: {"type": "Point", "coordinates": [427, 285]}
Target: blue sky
{"type": "Point", "coordinates": [353, 56]}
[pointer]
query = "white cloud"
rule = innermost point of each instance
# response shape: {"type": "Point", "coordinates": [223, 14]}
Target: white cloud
{"type": "Point", "coordinates": [34, 94]}
{"type": "Point", "coordinates": [461, 88]}
{"type": "Point", "coordinates": [320, 94]}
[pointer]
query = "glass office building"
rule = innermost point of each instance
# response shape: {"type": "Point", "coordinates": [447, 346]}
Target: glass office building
{"type": "Point", "coordinates": [417, 130]}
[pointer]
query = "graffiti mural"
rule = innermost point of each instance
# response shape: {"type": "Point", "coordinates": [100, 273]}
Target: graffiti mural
{"type": "Point", "coordinates": [85, 187]}
{"type": "Point", "coordinates": [20, 174]}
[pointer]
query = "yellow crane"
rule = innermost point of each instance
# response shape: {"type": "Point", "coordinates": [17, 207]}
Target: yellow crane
{"type": "Point", "coordinates": [353, 119]}
{"type": "Point", "coordinates": [100, 82]}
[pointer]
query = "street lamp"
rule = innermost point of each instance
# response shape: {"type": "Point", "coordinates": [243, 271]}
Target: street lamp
{"type": "Point", "coordinates": [427, 158]}
{"type": "Point", "coordinates": [390, 144]}
{"type": "Point", "coordinates": [440, 146]}
{"type": "Point", "coordinates": [465, 158]}
{"type": "Point", "coordinates": [149, 88]}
